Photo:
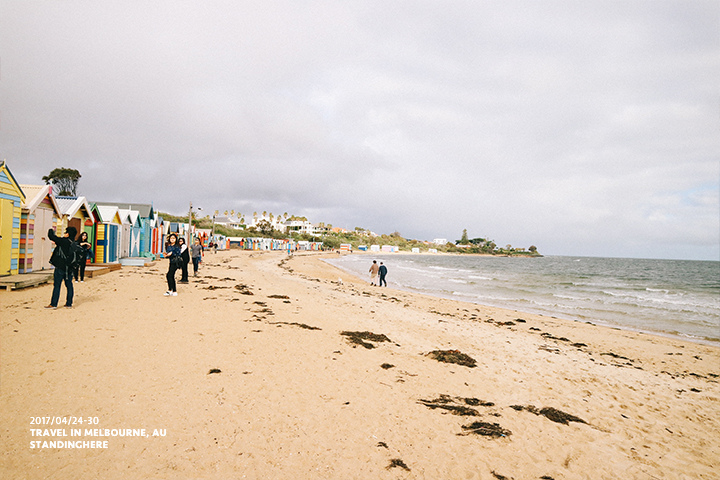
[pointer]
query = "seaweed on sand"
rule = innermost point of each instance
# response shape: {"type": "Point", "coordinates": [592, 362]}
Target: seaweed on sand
{"type": "Point", "coordinates": [453, 356]}
{"type": "Point", "coordinates": [486, 429]}
{"type": "Point", "coordinates": [551, 413]}
{"type": "Point", "coordinates": [363, 338]}
{"type": "Point", "coordinates": [396, 462]}
{"type": "Point", "coordinates": [456, 405]}
{"type": "Point", "coordinates": [243, 289]}
{"type": "Point", "coordinates": [301, 325]}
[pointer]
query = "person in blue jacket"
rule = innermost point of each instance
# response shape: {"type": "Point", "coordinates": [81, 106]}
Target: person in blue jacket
{"type": "Point", "coordinates": [63, 273]}
{"type": "Point", "coordinates": [172, 251]}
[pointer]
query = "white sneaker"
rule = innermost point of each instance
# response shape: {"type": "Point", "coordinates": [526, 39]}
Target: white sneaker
{"type": "Point", "coordinates": [174, 294]}
{"type": "Point", "coordinates": [167, 294]}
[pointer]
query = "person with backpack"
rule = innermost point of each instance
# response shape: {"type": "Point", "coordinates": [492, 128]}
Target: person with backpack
{"type": "Point", "coordinates": [63, 259]}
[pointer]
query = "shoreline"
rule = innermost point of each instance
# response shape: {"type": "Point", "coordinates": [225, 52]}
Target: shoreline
{"type": "Point", "coordinates": [563, 316]}
{"type": "Point", "coordinates": [251, 372]}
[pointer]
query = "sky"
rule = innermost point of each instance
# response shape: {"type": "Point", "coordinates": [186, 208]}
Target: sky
{"type": "Point", "coordinates": [583, 128]}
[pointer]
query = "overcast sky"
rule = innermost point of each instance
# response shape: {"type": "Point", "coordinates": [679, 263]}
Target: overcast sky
{"type": "Point", "coordinates": [581, 127]}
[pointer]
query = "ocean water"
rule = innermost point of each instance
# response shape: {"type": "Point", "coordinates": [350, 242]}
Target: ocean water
{"type": "Point", "coordinates": [679, 298]}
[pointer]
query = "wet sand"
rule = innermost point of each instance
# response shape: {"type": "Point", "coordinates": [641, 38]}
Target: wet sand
{"type": "Point", "coordinates": [267, 367]}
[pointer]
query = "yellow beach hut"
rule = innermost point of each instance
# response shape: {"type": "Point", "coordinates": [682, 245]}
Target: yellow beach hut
{"type": "Point", "coordinates": [11, 200]}
{"type": "Point", "coordinates": [40, 212]}
{"type": "Point", "coordinates": [75, 212]}
{"type": "Point", "coordinates": [107, 241]}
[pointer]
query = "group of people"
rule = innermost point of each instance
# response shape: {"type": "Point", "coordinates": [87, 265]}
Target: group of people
{"type": "Point", "coordinates": [378, 271]}
{"type": "Point", "coordinates": [65, 268]}
{"type": "Point", "coordinates": [70, 261]}
{"type": "Point", "coordinates": [180, 256]}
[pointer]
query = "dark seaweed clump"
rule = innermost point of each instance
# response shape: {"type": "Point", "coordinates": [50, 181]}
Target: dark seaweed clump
{"type": "Point", "coordinates": [214, 370]}
{"type": "Point", "coordinates": [295, 324]}
{"type": "Point", "coordinates": [243, 289]}
{"type": "Point", "coordinates": [551, 413]}
{"type": "Point", "coordinates": [486, 429]}
{"type": "Point", "coordinates": [396, 462]}
{"type": "Point", "coordinates": [453, 356]}
{"type": "Point", "coordinates": [456, 405]}
{"type": "Point", "coordinates": [363, 338]}
{"type": "Point", "coordinates": [279, 296]}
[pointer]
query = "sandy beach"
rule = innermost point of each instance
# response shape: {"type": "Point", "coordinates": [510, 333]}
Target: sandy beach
{"type": "Point", "coordinates": [269, 367]}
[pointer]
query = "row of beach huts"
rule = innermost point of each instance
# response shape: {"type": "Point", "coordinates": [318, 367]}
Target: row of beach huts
{"type": "Point", "coordinates": [119, 232]}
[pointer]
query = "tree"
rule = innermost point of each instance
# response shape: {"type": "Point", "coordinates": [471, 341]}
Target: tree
{"type": "Point", "coordinates": [65, 180]}
{"type": "Point", "coordinates": [532, 249]}
{"type": "Point", "coordinates": [464, 239]}
{"type": "Point", "coordinates": [265, 227]}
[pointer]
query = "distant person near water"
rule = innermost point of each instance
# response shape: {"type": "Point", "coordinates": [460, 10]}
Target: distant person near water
{"type": "Point", "coordinates": [63, 272]}
{"type": "Point", "coordinates": [374, 268]}
{"type": "Point", "coordinates": [197, 252]}
{"type": "Point", "coordinates": [383, 272]}
{"type": "Point", "coordinates": [185, 256]}
{"type": "Point", "coordinates": [172, 251]}
{"type": "Point", "coordinates": [87, 253]}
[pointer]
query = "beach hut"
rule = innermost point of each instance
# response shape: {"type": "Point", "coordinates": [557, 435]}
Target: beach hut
{"type": "Point", "coordinates": [136, 230]}
{"type": "Point", "coordinates": [157, 235]}
{"type": "Point", "coordinates": [125, 232]}
{"type": "Point", "coordinates": [11, 200]}
{"type": "Point", "coordinates": [107, 240]}
{"type": "Point", "coordinates": [75, 213]}
{"type": "Point", "coordinates": [345, 247]}
{"type": "Point", "coordinates": [40, 213]}
{"type": "Point", "coordinates": [147, 221]}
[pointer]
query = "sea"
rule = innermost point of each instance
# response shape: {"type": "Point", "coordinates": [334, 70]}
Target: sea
{"type": "Point", "coordinates": [676, 298]}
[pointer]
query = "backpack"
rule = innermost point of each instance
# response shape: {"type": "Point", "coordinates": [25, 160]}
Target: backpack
{"type": "Point", "coordinates": [72, 259]}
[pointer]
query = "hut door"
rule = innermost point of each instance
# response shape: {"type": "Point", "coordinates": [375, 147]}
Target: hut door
{"type": "Point", "coordinates": [77, 223]}
{"type": "Point", "coordinates": [6, 228]}
{"type": "Point", "coordinates": [42, 249]}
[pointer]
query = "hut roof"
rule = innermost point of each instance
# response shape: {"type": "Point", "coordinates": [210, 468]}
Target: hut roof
{"type": "Point", "coordinates": [35, 194]}
{"type": "Point", "coordinates": [145, 209]}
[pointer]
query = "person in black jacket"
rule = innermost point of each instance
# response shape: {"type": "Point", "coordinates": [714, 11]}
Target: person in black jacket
{"type": "Point", "coordinates": [87, 253]}
{"type": "Point", "coordinates": [382, 271]}
{"type": "Point", "coordinates": [185, 255]}
{"type": "Point", "coordinates": [63, 273]}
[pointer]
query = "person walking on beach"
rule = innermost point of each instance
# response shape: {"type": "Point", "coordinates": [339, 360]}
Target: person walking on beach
{"type": "Point", "coordinates": [172, 251]}
{"type": "Point", "coordinates": [63, 272]}
{"type": "Point", "coordinates": [185, 256]}
{"type": "Point", "coordinates": [87, 253]}
{"type": "Point", "coordinates": [374, 268]}
{"type": "Point", "coordinates": [197, 252]}
{"type": "Point", "coordinates": [383, 271]}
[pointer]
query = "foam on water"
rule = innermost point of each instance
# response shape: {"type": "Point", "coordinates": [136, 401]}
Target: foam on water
{"type": "Point", "coordinates": [674, 297]}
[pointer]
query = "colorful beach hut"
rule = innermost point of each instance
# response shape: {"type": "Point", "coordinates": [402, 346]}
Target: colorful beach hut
{"type": "Point", "coordinates": [11, 200]}
{"type": "Point", "coordinates": [75, 212]}
{"type": "Point", "coordinates": [107, 241]}
{"type": "Point", "coordinates": [134, 232]}
{"type": "Point", "coordinates": [40, 213]}
{"type": "Point", "coordinates": [147, 221]}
